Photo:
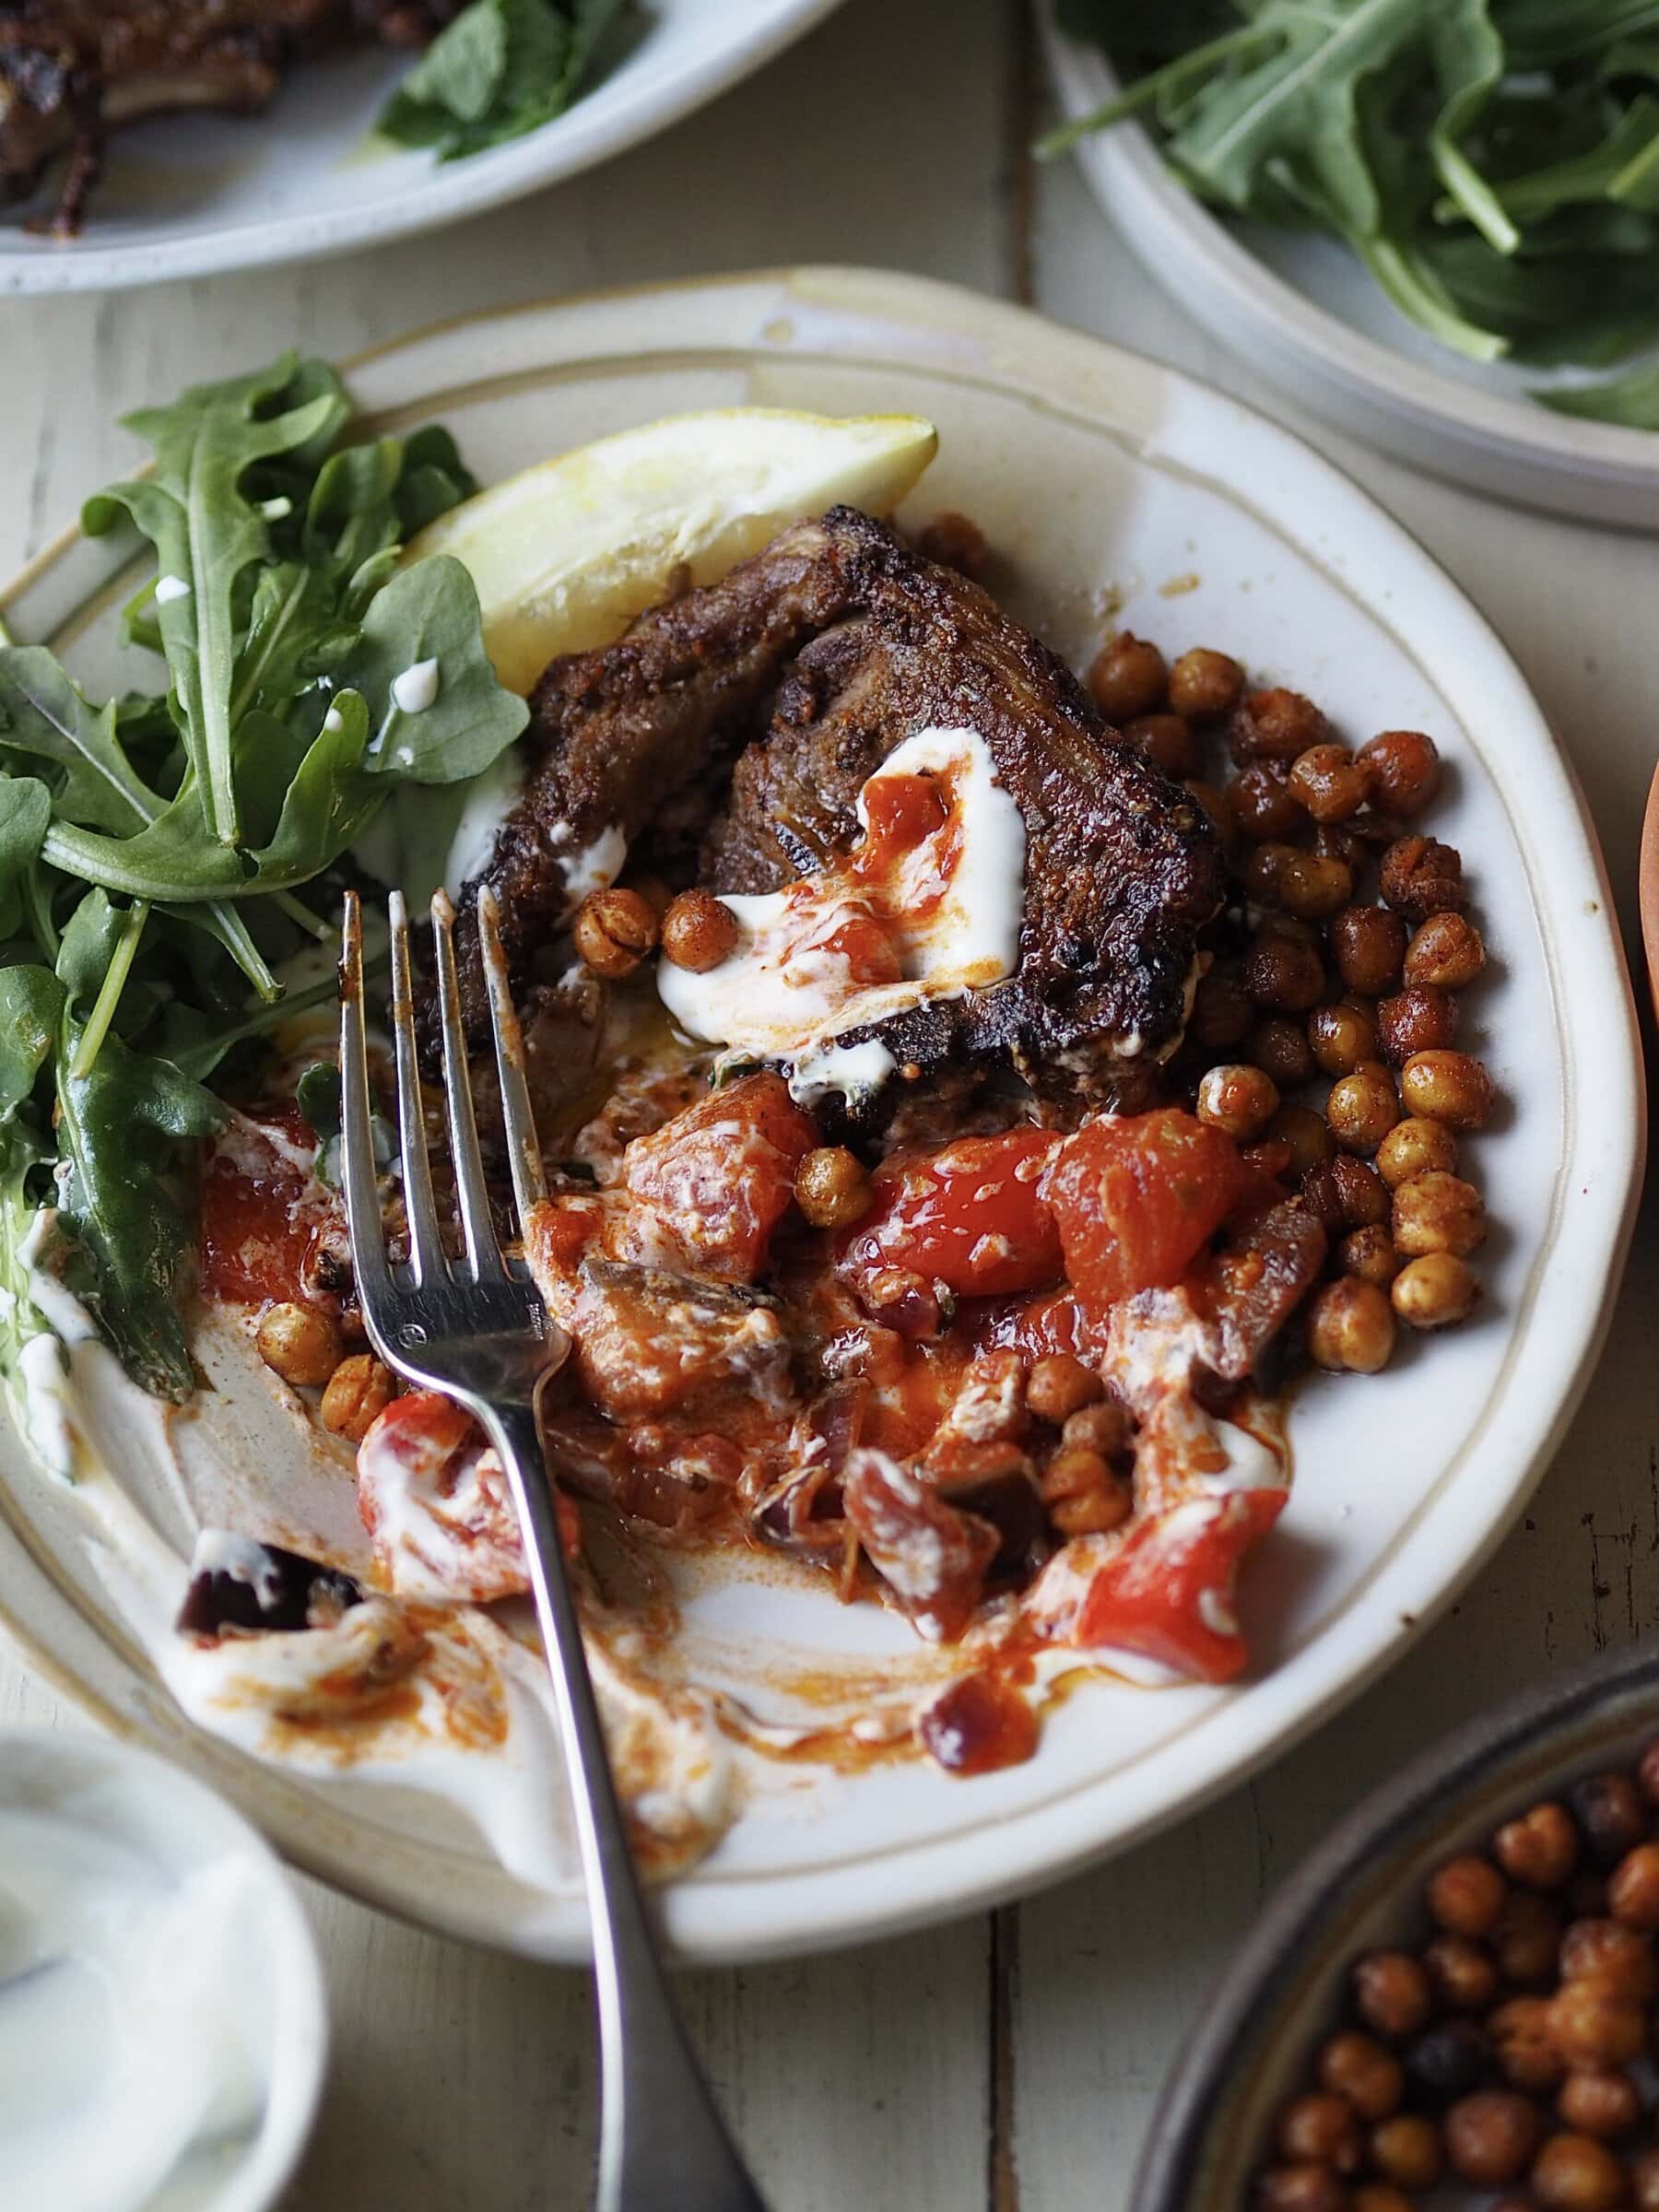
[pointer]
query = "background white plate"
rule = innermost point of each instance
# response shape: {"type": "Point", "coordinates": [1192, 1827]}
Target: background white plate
{"type": "Point", "coordinates": [1098, 477]}
{"type": "Point", "coordinates": [1305, 313]}
{"type": "Point", "coordinates": [185, 195]}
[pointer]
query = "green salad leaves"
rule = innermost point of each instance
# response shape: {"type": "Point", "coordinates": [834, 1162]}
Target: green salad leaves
{"type": "Point", "coordinates": [501, 68]}
{"type": "Point", "coordinates": [152, 846]}
{"type": "Point", "coordinates": [1495, 163]}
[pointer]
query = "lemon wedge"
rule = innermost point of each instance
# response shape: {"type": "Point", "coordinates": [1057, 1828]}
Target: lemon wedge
{"type": "Point", "coordinates": [566, 555]}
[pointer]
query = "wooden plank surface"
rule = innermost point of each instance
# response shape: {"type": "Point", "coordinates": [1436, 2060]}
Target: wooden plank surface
{"type": "Point", "coordinates": [1008, 2062]}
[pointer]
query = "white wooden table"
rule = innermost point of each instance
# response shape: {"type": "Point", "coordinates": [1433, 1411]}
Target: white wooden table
{"type": "Point", "coordinates": [1008, 2060]}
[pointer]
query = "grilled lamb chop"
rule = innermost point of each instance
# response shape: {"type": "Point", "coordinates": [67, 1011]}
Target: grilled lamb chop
{"type": "Point", "coordinates": [749, 713]}
{"type": "Point", "coordinates": [71, 71]}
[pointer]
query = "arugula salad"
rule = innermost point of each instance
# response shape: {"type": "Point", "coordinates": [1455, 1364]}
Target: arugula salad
{"type": "Point", "coordinates": [501, 68]}
{"type": "Point", "coordinates": [1494, 163]}
{"type": "Point", "coordinates": [166, 855]}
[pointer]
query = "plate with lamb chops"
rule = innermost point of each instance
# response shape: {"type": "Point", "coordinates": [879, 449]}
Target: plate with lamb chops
{"type": "Point", "coordinates": [1090, 1130]}
{"type": "Point", "coordinates": [141, 142]}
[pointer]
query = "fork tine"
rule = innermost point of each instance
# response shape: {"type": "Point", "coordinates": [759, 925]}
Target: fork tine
{"type": "Point", "coordinates": [426, 1245]}
{"type": "Point", "coordinates": [471, 1200]}
{"type": "Point", "coordinates": [529, 1182]}
{"type": "Point", "coordinates": [357, 1143]}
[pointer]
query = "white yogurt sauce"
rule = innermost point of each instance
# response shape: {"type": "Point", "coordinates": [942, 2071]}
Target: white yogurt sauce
{"type": "Point", "coordinates": [123, 2039]}
{"type": "Point", "coordinates": [170, 588]}
{"type": "Point", "coordinates": [489, 798]}
{"type": "Point", "coordinates": [786, 993]}
{"type": "Point", "coordinates": [592, 867]}
{"type": "Point", "coordinates": [417, 689]}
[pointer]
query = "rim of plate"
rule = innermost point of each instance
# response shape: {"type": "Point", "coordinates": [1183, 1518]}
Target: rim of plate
{"type": "Point", "coordinates": [299, 2061]}
{"type": "Point", "coordinates": [592, 130]}
{"type": "Point", "coordinates": [1154, 210]}
{"type": "Point", "coordinates": [886, 321]}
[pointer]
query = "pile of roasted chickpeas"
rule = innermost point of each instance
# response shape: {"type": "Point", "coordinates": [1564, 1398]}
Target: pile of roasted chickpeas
{"type": "Point", "coordinates": [305, 1346]}
{"type": "Point", "coordinates": [1313, 983]}
{"type": "Point", "coordinates": [1508, 2052]}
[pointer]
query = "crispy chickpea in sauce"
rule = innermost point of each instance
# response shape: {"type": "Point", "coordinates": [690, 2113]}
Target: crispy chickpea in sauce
{"type": "Point", "coordinates": [1508, 2050]}
{"type": "Point", "coordinates": [992, 1356]}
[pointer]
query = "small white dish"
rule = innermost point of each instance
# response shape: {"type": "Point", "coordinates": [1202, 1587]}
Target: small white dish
{"type": "Point", "coordinates": [1306, 315]}
{"type": "Point", "coordinates": [163, 2030]}
{"type": "Point", "coordinates": [187, 196]}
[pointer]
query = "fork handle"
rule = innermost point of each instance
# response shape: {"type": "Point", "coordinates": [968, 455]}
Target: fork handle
{"type": "Point", "coordinates": [663, 2147]}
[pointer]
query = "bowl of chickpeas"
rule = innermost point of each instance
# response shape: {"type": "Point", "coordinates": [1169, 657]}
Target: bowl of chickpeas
{"type": "Point", "coordinates": [1454, 2002]}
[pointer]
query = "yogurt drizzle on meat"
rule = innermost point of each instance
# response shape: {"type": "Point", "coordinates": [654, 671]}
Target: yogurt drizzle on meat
{"type": "Point", "coordinates": [928, 906]}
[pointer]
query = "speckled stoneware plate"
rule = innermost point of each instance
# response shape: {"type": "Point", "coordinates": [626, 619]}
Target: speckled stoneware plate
{"type": "Point", "coordinates": [1104, 482]}
{"type": "Point", "coordinates": [187, 196]}
{"type": "Point", "coordinates": [1304, 312]}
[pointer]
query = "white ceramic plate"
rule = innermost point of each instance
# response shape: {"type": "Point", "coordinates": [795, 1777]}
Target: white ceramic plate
{"type": "Point", "coordinates": [173, 1832]}
{"type": "Point", "coordinates": [1100, 479]}
{"type": "Point", "coordinates": [1304, 313]}
{"type": "Point", "coordinates": [188, 195]}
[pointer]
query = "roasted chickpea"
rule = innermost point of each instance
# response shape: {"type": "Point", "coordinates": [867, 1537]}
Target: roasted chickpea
{"type": "Point", "coordinates": [957, 542]}
{"type": "Point", "coordinates": [1320, 2125]}
{"type": "Point", "coordinates": [1262, 867]}
{"type": "Point", "coordinates": [699, 932]}
{"type": "Point", "coordinates": [1367, 945]}
{"type": "Point", "coordinates": [1420, 877]}
{"type": "Point", "coordinates": [1435, 1292]}
{"type": "Point", "coordinates": [1263, 805]}
{"type": "Point", "coordinates": [1238, 1099]}
{"type": "Point", "coordinates": [1404, 768]}
{"type": "Point", "coordinates": [1595, 2026]}
{"type": "Point", "coordinates": [1346, 1192]}
{"type": "Point", "coordinates": [1421, 1019]}
{"type": "Point", "coordinates": [1406, 2150]}
{"type": "Point", "coordinates": [1342, 1036]}
{"type": "Point", "coordinates": [831, 1187]}
{"type": "Point", "coordinates": [1059, 1386]}
{"type": "Point", "coordinates": [1445, 951]}
{"type": "Point", "coordinates": [1330, 783]}
{"type": "Point", "coordinates": [359, 1391]}
{"type": "Point", "coordinates": [1306, 1134]}
{"type": "Point", "coordinates": [1451, 2059]}
{"type": "Point", "coordinates": [1526, 1938]}
{"type": "Point", "coordinates": [1524, 2046]}
{"type": "Point", "coordinates": [1415, 1146]}
{"type": "Point", "coordinates": [1282, 969]}
{"type": "Point", "coordinates": [1362, 1109]}
{"type": "Point", "coordinates": [1083, 1496]}
{"type": "Point", "coordinates": [1312, 886]}
{"type": "Point", "coordinates": [1167, 741]}
{"type": "Point", "coordinates": [1127, 677]}
{"type": "Point", "coordinates": [1492, 2137]}
{"type": "Point", "coordinates": [1539, 1848]}
{"type": "Point", "coordinates": [1306, 2188]}
{"type": "Point", "coordinates": [1350, 1327]}
{"type": "Point", "coordinates": [1600, 2104]}
{"type": "Point", "coordinates": [1575, 2173]}
{"type": "Point", "coordinates": [1380, 2196]}
{"type": "Point", "coordinates": [1102, 1427]}
{"type": "Point", "coordinates": [302, 1343]}
{"type": "Point", "coordinates": [1214, 803]}
{"type": "Point", "coordinates": [1464, 1976]}
{"type": "Point", "coordinates": [1644, 2180]}
{"type": "Point", "coordinates": [1369, 1253]}
{"type": "Point", "coordinates": [1607, 1951]}
{"type": "Point", "coordinates": [1448, 1086]}
{"type": "Point", "coordinates": [1466, 1895]}
{"type": "Point", "coordinates": [1358, 2068]}
{"type": "Point", "coordinates": [613, 932]}
{"type": "Point", "coordinates": [1280, 1047]}
{"type": "Point", "coordinates": [1204, 684]}
{"type": "Point", "coordinates": [1436, 1212]}
{"type": "Point", "coordinates": [1274, 724]}
{"type": "Point", "coordinates": [1634, 1889]}
{"type": "Point", "coordinates": [1391, 1993]}
{"type": "Point", "coordinates": [1221, 1012]}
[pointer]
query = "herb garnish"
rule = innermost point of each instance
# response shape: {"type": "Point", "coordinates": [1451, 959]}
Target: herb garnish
{"type": "Point", "coordinates": [501, 68]}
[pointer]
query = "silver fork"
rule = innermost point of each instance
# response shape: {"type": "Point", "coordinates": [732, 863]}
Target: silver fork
{"type": "Point", "coordinates": [476, 1330]}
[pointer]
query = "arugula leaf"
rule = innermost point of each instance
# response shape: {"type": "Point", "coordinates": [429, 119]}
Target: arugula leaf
{"type": "Point", "coordinates": [501, 68]}
{"type": "Point", "coordinates": [44, 715]}
{"type": "Point", "coordinates": [125, 1132]}
{"type": "Point", "coordinates": [1468, 61]}
{"type": "Point", "coordinates": [430, 613]}
{"type": "Point", "coordinates": [25, 813]}
{"type": "Point", "coordinates": [208, 531]}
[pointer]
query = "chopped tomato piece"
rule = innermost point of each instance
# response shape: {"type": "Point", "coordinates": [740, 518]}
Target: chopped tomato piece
{"type": "Point", "coordinates": [1168, 1595]}
{"type": "Point", "coordinates": [717, 1179]}
{"type": "Point", "coordinates": [972, 1218]}
{"type": "Point", "coordinates": [1136, 1196]}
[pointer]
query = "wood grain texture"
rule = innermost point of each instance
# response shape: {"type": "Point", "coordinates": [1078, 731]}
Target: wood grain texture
{"type": "Point", "coordinates": [1008, 2062]}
